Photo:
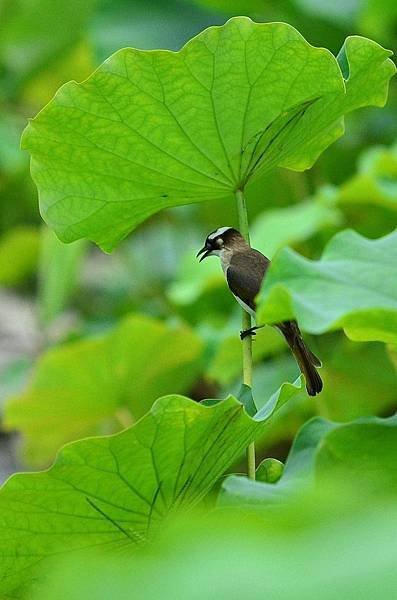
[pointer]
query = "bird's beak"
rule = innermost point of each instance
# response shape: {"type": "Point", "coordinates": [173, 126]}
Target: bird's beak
{"type": "Point", "coordinates": [204, 251]}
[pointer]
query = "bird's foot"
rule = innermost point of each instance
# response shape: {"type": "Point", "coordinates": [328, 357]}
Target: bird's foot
{"type": "Point", "coordinates": [251, 331]}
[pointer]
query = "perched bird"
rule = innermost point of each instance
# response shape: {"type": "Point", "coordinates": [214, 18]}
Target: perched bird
{"type": "Point", "coordinates": [244, 269]}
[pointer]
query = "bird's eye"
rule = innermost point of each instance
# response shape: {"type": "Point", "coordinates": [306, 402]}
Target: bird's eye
{"type": "Point", "coordinates": [219, 242]}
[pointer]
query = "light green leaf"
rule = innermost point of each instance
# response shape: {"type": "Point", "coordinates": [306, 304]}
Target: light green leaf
{"type": "Point", "coordinates": [58, 273]}
{"type": "Point", "coordinates": [115, 491]}
{"type": "Point", "coordinates": [353, 286]}
{"type": "Point", "coordinates": [149, 130]}
{"type": "Point", "coordinates": [375, 182]}
{"type": "Point", "coordinates": [19, 250]}
{"type": "Point", "coordinates": [324, 124]}
{"type": "Point", "coordinates": [95, 385]}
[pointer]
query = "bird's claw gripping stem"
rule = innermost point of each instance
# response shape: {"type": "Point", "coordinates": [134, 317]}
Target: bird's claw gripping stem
{"type": "Point", "coordinates": [251, 331]}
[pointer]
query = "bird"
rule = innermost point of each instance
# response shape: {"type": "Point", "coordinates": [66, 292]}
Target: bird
{"type": "Point", "coordinates": [244, 269]}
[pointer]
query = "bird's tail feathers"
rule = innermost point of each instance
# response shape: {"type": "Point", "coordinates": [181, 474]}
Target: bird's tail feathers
{"type": "Point", "coordinates": [307, 361]}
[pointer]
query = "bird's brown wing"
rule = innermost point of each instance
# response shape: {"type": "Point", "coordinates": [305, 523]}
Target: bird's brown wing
{"type": "Point", "coordinates": [245, 274]}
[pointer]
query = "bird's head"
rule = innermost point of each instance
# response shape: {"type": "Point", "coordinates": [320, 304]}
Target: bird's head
{"type": "Point", "coordinates": [223, 239]}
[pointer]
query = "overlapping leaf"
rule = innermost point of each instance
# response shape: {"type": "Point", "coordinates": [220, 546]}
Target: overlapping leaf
{"type": "Point", "coordinates": [297, 474]}
{"type": "Point", "coordinates": [355, 456]}
{"type": "Point", "coordinates": [150, 130]}
{"type": "Point", "coordinates": [112, 491]}
{"type": "Point", "coordinates": [85, 387]}
{"type": "Point", "coordinates": [353, 286]}
{"type": "Point", "coordinates": [233, 556]}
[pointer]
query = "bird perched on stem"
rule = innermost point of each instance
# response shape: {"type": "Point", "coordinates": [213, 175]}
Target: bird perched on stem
{"type": "Point", "coordinates": [244, 269]}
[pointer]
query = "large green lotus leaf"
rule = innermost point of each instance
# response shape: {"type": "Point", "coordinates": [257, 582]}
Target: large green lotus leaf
{"type": "Point", "coordinates": [376, 180]}
{"type": "Point", "coordinates": [95, 385]}
{"type": "Point", "coordinates": [360, 455]}
{"type": "Point", "coordinates": [115, 491]}
{"type": "Point", "coordinates": [352, 286]}
{"type": "Point", "coordinates": [153, 129]}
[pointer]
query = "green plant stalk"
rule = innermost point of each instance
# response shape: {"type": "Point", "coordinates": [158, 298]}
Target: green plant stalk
{"type": "Point", "coordinates": [246, 324]}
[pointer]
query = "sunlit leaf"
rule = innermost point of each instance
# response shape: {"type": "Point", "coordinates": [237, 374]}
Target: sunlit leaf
{"type": "Point", "coordinates": [353, 286]}
{"type": "Point", "coordinates": [149, 130]}
{"type": "Point", "coordinates": [95, 385]}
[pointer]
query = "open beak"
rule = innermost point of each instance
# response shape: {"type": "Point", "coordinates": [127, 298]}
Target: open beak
{"type": "Point", "coordinates": [204, 251]}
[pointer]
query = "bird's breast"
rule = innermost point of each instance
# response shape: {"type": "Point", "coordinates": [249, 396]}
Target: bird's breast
{"type": "Point", "coordinates": [225, 257]}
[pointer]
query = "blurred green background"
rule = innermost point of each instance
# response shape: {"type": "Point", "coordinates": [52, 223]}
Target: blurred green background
{"type": "Point", "coordinates": [79, 329]}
